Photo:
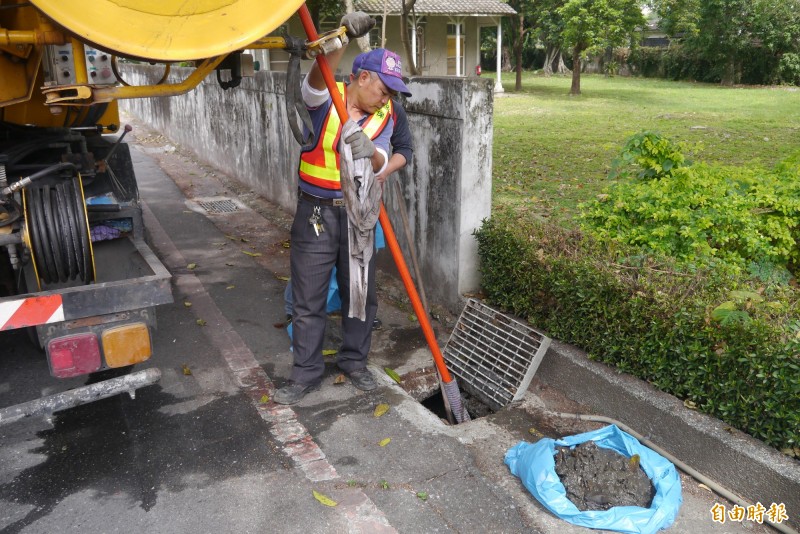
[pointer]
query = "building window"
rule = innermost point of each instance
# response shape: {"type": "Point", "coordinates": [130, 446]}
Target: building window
{"type": "Point", "coordinates": [455, 49]}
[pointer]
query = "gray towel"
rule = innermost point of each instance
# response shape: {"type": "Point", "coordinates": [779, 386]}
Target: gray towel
{"type": "Point", "coordinates": [362, 198]}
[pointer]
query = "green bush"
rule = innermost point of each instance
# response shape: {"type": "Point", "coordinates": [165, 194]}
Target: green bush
{"type": "Point", "coordinates": [725, 343]}
{"type": "Point", "coordinates": [789, 69]}
{"type": "Point", "coordinates": [701, 214]}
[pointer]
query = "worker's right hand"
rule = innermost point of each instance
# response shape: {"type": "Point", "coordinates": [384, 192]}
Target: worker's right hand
{"type": "Point", "coordinates": [357, 23]}
{"type": "Point", "coordinates": [361, 145]}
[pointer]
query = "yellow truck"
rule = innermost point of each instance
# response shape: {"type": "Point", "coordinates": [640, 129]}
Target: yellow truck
{"type": "Point", "coordinates": [74, 266]}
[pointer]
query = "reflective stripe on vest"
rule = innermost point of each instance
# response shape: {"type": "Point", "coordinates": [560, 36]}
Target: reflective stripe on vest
{"type": "Point", "coordinates": [320, 165]}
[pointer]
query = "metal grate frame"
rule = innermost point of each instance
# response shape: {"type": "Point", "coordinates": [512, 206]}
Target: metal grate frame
{"type": "Point", "coordinates": [493, 355]}
{"type": "Point", "coordinates": [224, 205]}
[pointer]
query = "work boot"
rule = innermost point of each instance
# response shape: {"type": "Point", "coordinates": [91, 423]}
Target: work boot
{"type": "Point", "coordinates": [293, 392]}
{"type": "Point", "coordinates": [363, 379]}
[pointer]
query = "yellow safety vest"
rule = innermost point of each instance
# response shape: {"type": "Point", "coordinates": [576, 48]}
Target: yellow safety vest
{"type": "Point", "coordinates": [320, 165]}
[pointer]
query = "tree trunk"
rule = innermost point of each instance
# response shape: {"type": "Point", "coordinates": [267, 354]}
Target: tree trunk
{"type": "Point", "coordinates": [363, 42]}
{"type": "Point", "coordinates": [408, 5]}
{"type": "Point", "coordinates": [729, 75]}
{"type": "Point", "coordinates": [562, 67]}
{"type": "Point", "coordinates": [576, 72]}
{"type": "Point", "coordinates": [518, 52]}
{"type": "Point", "coordinates": [549, 59]}
{"type": "Point", "coordinates": [506, 60]}
{"type": "Point", "coordinates": [383, 23]}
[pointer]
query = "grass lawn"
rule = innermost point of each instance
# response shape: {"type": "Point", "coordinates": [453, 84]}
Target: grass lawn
{"type": "Point", "coordinates": [552, 151]}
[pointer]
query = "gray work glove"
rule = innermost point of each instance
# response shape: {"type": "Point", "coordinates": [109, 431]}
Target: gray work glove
{"type": "Point", "coordinates": [361, 145]}
{"type": "Point", "coordinates": [357, 23]}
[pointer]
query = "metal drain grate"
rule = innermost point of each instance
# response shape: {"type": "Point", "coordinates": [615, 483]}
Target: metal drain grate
{"type": "Point", "coordinates": [225, 205]}
{"type": "Point", "coordinates": [493, 355]}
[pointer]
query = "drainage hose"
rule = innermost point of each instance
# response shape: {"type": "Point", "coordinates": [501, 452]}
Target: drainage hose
{"type": "Point", "coordinates": [721, 490]}
{"type": "Point", "coordinates": [59, 234]}
{"type": "Point", "coordinates": [446, 379]}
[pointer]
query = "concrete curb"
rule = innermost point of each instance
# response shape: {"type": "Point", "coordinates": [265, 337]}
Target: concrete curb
{"type": "Point", "coordinates": [742, 464]}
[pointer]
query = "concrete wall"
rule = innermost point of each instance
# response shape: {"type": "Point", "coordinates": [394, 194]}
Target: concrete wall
{"type": "Point", "coordinates": [447, 189]}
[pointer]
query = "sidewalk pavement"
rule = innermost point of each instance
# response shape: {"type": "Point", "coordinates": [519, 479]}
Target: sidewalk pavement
{"type": "Point", "coordinates": [430, 477]}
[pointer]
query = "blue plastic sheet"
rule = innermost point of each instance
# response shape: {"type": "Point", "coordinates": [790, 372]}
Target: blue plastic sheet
{"type": "Point", "coordinates": [534, 464]}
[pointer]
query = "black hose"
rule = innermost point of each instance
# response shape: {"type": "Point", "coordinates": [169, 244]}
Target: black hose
{"type": "Point", "coordinates": [59, 233]}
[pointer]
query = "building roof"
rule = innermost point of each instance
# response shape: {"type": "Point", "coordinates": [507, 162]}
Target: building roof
{"type": "Point", "coordinates": [472, 8]}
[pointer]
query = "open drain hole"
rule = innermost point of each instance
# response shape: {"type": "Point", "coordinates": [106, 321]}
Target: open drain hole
{"type": "Point", "coordinates": [475, 408]}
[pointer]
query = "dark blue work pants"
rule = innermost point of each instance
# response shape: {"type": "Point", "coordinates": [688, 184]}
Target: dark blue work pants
{"type": "Point", "coordinates": [312, 259]}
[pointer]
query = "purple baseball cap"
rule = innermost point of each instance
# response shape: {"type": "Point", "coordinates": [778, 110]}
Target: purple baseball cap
{"type": "Point", "coordinates": [387, 65]}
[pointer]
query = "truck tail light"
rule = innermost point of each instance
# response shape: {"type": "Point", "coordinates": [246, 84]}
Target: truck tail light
{"type": "Point", "coordinates": [74, 355]}
{"type": "Point", "coordinates": [126, 345]}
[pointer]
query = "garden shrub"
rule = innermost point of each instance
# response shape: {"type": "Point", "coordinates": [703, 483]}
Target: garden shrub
{"type": "Point", "coordinates": [706, 215]}
{"type": "Point", "coordinates": [725, 342]}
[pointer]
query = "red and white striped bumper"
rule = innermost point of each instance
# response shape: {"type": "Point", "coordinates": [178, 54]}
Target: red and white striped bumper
{"type": "Point", "coordinates": [31, 311]}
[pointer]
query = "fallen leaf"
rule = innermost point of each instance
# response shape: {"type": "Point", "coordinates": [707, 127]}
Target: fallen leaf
{"type": "Point", "coordinates": [230, 287]}
{"type": "Point", "coordinates": [421, 495]}
{"type": "Point", "coordinates": [392, 374]}
{"type": "Point", "coordinates": [793, 452]}
{"type": "Point", "coordinates": [186, 370]}
{"type": "Point", "coordinates": [201, 322]}
{"type": "Point", "coordinates": [633, 463]}
{"type": "Point", "coordinates": [282, 277]}
{"type": "Point", "coordinates": [329, 352]}
{"type": "Point", "coordinates": [232, 238]}
{"type": "Point", "coordinates": [191, 266]}
{"type": "Point", "coordinates": [253, 254]}
{"type": "Point", "coordinates": [385, 442]}
{"type": "Point", "coordinates": [324, 499]}
{"type": "Point", "coordinates": [264, 399]}
{"type": "Point", "coordinates": [244, 240]}
{"type": "Point", "coordinates": [535, 432]}
{"type": "Point", "coordinates": [690, 404]}
{"type": "Point", "coordinates": [412, 317]}
{"type": "Point", "coordinates": [703, 486]}
{"type": "Point", "coordinates": [286, 244]}
{"type": "Point", "coordinates": [380, 409]}
{"type": "Point", "coordinates": [230, 264]}
{"type": "Point", "coordinates": [339, 380]}
{"type": "Point", "coordinates": [187, 304]}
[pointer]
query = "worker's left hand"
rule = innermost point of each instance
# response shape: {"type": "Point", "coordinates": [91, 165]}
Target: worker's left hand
{"type": "Point", "coordinates": [361, 145]}
{"type": "Point", "coordinates": [357, 23]}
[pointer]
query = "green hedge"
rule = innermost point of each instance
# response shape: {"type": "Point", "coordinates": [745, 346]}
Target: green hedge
{"type": "Point", "coordinates": [726, 344]}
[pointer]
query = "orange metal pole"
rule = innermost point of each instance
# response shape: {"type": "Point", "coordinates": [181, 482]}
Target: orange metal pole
{"type": "Point", "coordinates": [391, 239]}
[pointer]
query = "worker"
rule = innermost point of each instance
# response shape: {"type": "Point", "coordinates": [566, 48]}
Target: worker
{"type": "Point", "coordinates": [327, 230]}
{"type": "Point", "coordinates": [402, 152]}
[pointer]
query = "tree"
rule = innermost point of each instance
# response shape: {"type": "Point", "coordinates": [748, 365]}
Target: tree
{"type": "Point", "coordinates": [725, 33]}
{"type": "Point", "coordinates": [677, 18]}
{"type": "Point", "coordinates": [408, 11]}
{"type": "Point", "coordinates": [324, 9]}
{"type": "Point", "coordinates": [735, 36]}
{"type": "Point", "coordinates": [594, 25]}
{"type": "Point", "coordinates": [550, 25]}
{"type": "Point", "coordinates": [519, 31]}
